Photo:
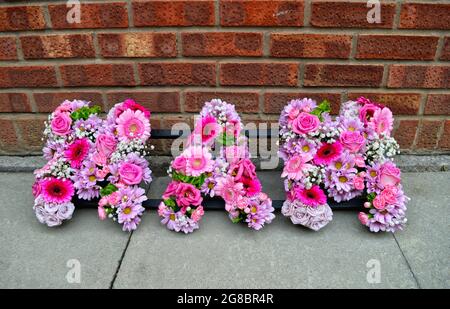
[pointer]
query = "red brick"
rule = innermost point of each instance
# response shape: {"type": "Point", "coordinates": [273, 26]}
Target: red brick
{"type": "Point", "coordinates": [27, 76]}
{"type": "Point", "coordinates": [428, 134]}
{"type": "Point", "coordinates": [343, 75]}
{"type": "Point", "coordinates": [157, 102]}
{"type": "Point", "coordinates": [58, 46]}
{"type": "Point", "coordinates": [407, 47]}
{"type": "Point", "coordinates": [261, 13]}
{"type": "Point", "coordinates": [14, 103]}
{"type": "Point", "coordinates": [97, 75]}
{"type": "Point", "coordinates": [345, 14]}
{"type": "Point", "coordinates": [31, 128]}
{"type": "Point", "coordinates": [244, 101]}
{"type": "Point", "coordinates": [222, 44]}
{"type": "Point", "coordinates": [8, 136]}
{"type": "Point", "coordinates": [18, 18]}
{"type": "Point", "coordinates": [93, 15]}
{"type": "Point", "coordinates": [445, 54]}
{"type": "Point", "coordinates": [47, 102]}
{"type": "Point", "coordinates": [406, 133]}
{"type": "Point", "coordinates": [200, 74]}
{"type": "Point", "coordinates": [8, 49]}
{"type": "Point", "coordinates": [444, 142]}
{"type": "Point", "coordinates": [419, 76]}
{"type": "Point", "coordinates": [438, 104]}
{"type": "Point", "coordinates": [399, 103]}
{"type": "Point", "coordinates": [259, 74]}
{"type": "Point", "coordinates": [173, 13]}
{"type": "Point", "coordinates": [425, 16]}
{"type": "Point", "coordinates": [274, 102]}
{"type": "Point", "coordinates": [310, 45]}
{"type": "Point", "coordinates": [138, 44]}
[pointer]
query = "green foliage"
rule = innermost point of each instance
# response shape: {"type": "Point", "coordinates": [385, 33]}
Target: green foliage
{"type": "Point", "coordinates": [171, 204]}
{"type": "Point", "coordinates": [85, 112]}
{"type": "Point", "coordinates": [110, 188]}
{"type": "Point", "coordinates": [323, 107]}
{"type": "Point", "coordinates": [226, 139]}
{"type": "Point", "coordinates": [371, 197]}
{"type": "Point", "coordinates": [195, 181]}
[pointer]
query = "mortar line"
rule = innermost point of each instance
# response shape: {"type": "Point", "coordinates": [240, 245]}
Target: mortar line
{"type": "Point", "coordinates": [407, 262]}
{"type": "Point", "coordinates": [111, 285]}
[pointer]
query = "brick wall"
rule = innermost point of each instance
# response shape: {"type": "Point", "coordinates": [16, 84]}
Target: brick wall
{"type": "Point", "coordinates": [173, 55]}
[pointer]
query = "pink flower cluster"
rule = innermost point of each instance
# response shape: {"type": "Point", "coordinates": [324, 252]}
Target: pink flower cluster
{"type": "Point", "coordinates": [231, 175]}
{"type": "Point", "coordinates": [339, 158]}
{"type": "Point", "coordinates": [89, 158]}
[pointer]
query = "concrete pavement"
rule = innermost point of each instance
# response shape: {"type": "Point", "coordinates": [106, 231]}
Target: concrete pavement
{"type": "Point", "coordinates": [221, 254]}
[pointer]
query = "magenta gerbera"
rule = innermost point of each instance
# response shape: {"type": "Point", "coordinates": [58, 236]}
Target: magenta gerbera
{"type": "Point", "coordinates": [77, 152]}
{"type": "Point", "coordinates": [311, 197]}
{"type": "Point", "coordinates": [56, 190]}
{"type": "Point", "coordinates": [327, 153]}
{"type": "Point", "coordinates": [133, 125]}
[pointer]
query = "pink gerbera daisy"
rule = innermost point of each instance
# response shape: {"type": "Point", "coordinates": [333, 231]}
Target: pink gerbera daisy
{"type": "Point", "coordinates": [208, 128]}
{"type": "Point", "coordinates": [229, 190]}
{"type": "Point", "coordinates": [56, 190]}
{"type": "Point", "coordinates": [198, 161]}
{"type": "Point", "coordinates": [131, 104]}
{"type": "Point", "coordinates": [311, 197]}
{"type": "Point", "coordinates": [327, 153]}
{"type": "Point", "coordinates": [295, 167]}
{"type": "Point", "coordinates": [133, 125]}
{"type": "Point", "coordinates": [252, 186]}
{"type": "Point", "coordinates": [77, 152]}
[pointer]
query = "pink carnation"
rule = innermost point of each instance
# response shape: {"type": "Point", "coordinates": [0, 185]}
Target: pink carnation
{"type": "Point", "coordinates": [383, 121]}
{"type": "Point", "coordinates": [187, 195]}
{"type": "Point", "coordinates": [367, 112]}
{"type": "Point", "coordinates": [358, 182]}
{"type": "Point", "coordinates": [363, 218]}
{"type": "Point", "coordinates": [197, 214]}
{"type": "Point", "coordinates": [379, 202]}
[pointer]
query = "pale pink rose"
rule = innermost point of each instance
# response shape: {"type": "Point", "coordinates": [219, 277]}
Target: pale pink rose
{"type": "Point", "coordinates": [367, 111]}
{"type": "Point", "coordinates": [61, 124]}
{"type": "Point", "coordinates": [101, 213]}
{"type": "Point", "coordinates": [305, 123]}
{"type": "Point", "coordinates": [383, 121]}
{"type": "Point", "coordinates": [359, 161]}
{"type": "Point", "coordinates": [106, 144]}
{"type": "Point", "coordinates": [187, 195]}
{"type": "Point", "coordinates": [389, 194]}
{"type": "Point", "coordinates": [363, 218]}
{"type": "Point", "coordinates": [243, 169]}
{"type": "Point", "coordinates": [197, 214]}
{"type": "Point", "coordinates": [352, 140]}
{"type": "Point", "coordinates": [358, 182]}
{"type": "Point", "coordinates": [389, 174]}
{"type": "Point", "coordinates": [171, 190]}
{"type": "Point", "coordinates": [179, 164]}
{"type": "Point", "coordinates": [130, 174]}
{"type": "Point", "coordinates": [379, 202]}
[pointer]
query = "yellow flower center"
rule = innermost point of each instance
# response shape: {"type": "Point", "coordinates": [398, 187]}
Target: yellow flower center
{"type": "Point", "coordinates": [197, 162]}
{"type": "Point", "coordinates": [373, 174]}
{"type": "Point", "coordinates": [253, 210]}
{"type": "Point", "coordinates": [338, 165]}
{"type": "Point", "coordinates": [343, 179]}
{"type": "Point", "coordinates": [351, 128]}
{"type": "Point", "coordinates": [127, 210]}
{"type": "Point", "coordinates": [172, 217]}
{"type": "Point", "coordinates": [305, 148]}
{"type": "Point", "coordinates": [133, 128]}
{"type": "Point", "coordinates": [92, 178]}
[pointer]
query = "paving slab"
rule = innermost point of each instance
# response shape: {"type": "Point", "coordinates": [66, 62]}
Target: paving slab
{"type": "Point", "coordinates": [35, 256]}
{"type": "Point", "coordinates": [426, 242]}
{"type": "Point", "coordinates": [225, 255]}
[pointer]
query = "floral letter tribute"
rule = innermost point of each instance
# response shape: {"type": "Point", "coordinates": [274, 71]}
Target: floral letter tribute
{"type": "Point", "coordinates": [343, 158]}
{"type": "Point", "coordinates": [231, 175]}
{"type": "Point", "coordinates": [90, 158]}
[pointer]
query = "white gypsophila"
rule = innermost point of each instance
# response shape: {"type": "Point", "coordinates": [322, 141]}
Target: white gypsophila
{"type": "Point", "coordinates": [126, 147]}
{"type": "Point", "coordinates": [381, 148]}
{"type": "Point", "coordinates": [312, 176]}
{"type": "Point", "coordinates": [60, 169]}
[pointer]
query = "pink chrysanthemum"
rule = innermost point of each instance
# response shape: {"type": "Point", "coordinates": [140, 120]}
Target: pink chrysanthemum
{"type": "Point", "coordinates": [327, 153]}
{"type": "Point", "coordinates": [56, 190]}
{"type": "Point", "coordinates": [77, 152]}
{"type": "Point", "coordinates": [133, 125]}
{"type": "Point", "coordinates": [311, 197]}
{"type": "Point", "coordinates": [198, 161]}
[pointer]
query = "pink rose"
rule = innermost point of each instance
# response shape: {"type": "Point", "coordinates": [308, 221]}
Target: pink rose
{"type": "Point", "coordinates": [179, 164]}
{"type": "Point", "coordinates": [187, 195]}
{"type": "Point", "coordinates": [305, 123]}
{"type": "Point", "coordinates": [130, 174]}
{"type": "Point", "coordinates": [358, 182]}
{"type": "Point", "coordinates": [367, 111]}
{"type": "Point", "coordinates": [363, 218]}
{"type": "Point", "coordinates": [389, 194]}
{"type": "Point", "coordinates": [352, 140]}
{"type": "Point", "coordinates": [61, 124]}
{"type": "Point", "coordinates": [171, 190]}
{"type": "Point", "coordinates": [101, 213]}
{"type": "Point", "coordinates": [106, 144]}
{"type": "Point", "coordinates": [243, 169]}
{"type": "Point", "coordinates": [379, 202]}
{"type": "Point", "coordinates": [389, 174]}
{"type": "Point", "coordinates": [197, 214]}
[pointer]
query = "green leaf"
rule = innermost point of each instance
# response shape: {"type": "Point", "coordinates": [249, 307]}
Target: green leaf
{"type": "Point", "coordinates": [226, 139]}
{"type": "Point", "coordinates": [85, 112]}
{"type": "Point", "coordinates": [196, 181]}
{"type": "Point", "coordinates": [371, 196]}
{"type": "Point", "coordinates": [323, 107]}
{"type": "Point", "coordinates": [170, 202]}
{"type": "Point", "coordinates": [237, 219]}
{"type": "Point", "coordinates": [110, 188]}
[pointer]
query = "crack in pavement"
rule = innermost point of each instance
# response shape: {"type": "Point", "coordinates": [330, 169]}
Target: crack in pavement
{"type": "Point", "coordinates": [407, 262]}
{"type": "Point", "coordinates": [111, 285]}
